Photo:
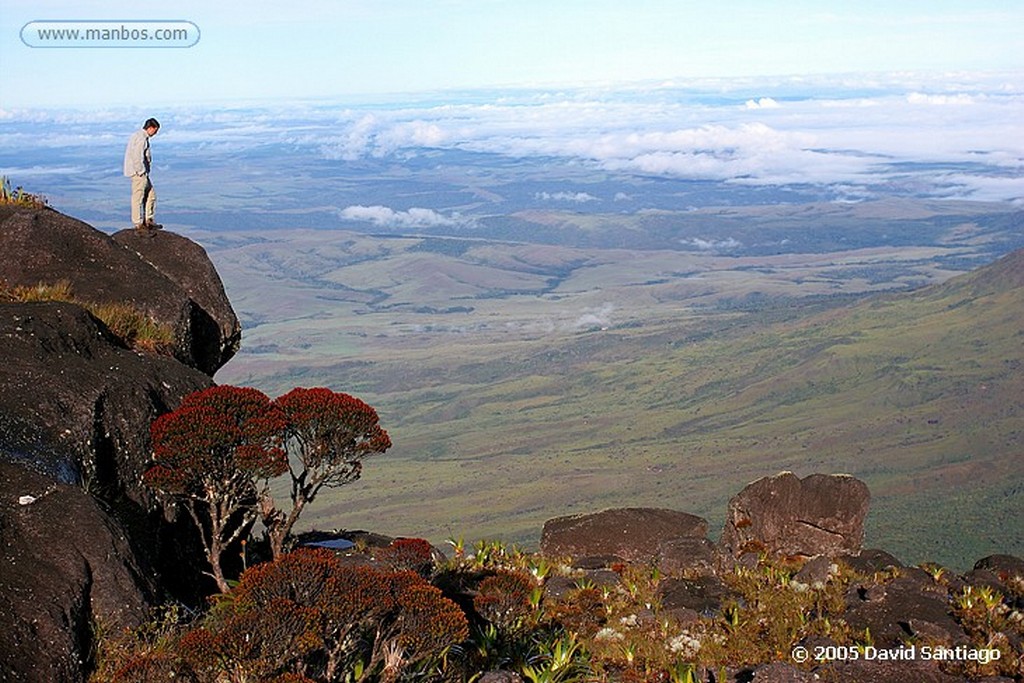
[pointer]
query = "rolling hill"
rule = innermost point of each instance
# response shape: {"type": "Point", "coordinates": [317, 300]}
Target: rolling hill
{"type": "Point", "coordinates": [920, 394]}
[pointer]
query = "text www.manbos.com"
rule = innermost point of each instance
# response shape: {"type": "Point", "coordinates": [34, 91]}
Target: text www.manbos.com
{"type": "Point", "coordinates": [110, 34]}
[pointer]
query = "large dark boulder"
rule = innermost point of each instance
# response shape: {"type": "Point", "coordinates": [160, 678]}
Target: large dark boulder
{"type": "Point", "coordinates": [695, 555]}
{"type": "Point", "coordinates": [214, 333]}
{"type": "Point", "coordinates": [705, 595]}
{"type": "Point", "coordinates": [76, 404]}
{"type": "Point", "coordinates": [631, 534]}
{"type": "Point", "coordinates": [788, 516]}
{"type": "Point", "coordinates": [162, 275]}
{"type": "Point", "coordinates": [68, 571]}
{"type": "Point", "coordinates": [1003, 566]}
{"type": "Point", "coordinates": [912, 605]}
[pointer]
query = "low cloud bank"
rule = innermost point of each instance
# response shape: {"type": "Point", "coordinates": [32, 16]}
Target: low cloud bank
{"type": "Point", "coordinates": [957, 135]}
{"type": "Point", "coordinates": [857, 134]}
{"type": "Point", "coordinates": [387, 217]}
{"type": "Point", "coordinates": [575, 197]}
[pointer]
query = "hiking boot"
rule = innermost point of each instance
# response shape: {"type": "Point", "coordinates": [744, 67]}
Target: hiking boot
{"type": "Point", "coordinates": [152, 225]}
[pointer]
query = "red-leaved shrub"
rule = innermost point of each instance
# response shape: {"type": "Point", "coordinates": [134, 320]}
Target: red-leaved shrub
{"type": "Point", "coordinates": [209, 453]}
{"type": "Point", "coordinates": [218, 450]}
{"type": "Point", "coordinates": [504, 598]}
{"type": "Point", "coordinates": [408, 554]}
{"type": "Point", "coordinates": [311, 615]}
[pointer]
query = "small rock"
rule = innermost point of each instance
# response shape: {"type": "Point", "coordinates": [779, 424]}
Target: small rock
{"type": "Point", "coordinates": [816, 570]}
{"type": "Point", "coordinates": [705, 595]}
{"type": "Point", "coordinates": [500, 677]}
{"type": "Point", "coordinates": [680, 555]}
{"type": "Point", "coordinates": [779, 672]}
{"type": "Point", "coordinates": [870, 561]}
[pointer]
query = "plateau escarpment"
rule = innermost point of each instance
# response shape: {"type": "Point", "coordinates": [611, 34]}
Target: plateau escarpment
{"type": "Point", "coordinates": [85, 543]}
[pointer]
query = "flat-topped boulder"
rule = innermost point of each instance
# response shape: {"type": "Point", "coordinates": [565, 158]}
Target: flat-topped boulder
{"type": "Point", "coordinates": [631, 534]}
{"type": "Point", "coordinates": [213, 331]}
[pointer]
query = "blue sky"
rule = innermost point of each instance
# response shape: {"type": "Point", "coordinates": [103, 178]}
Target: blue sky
{"type": "Point", "coordinates": [263, 51]}
{"type": "Point", "coordinates": [838, 94]}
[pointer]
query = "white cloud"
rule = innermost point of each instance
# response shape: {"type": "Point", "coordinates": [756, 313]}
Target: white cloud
{"type": "Point", "coordinates": [594, 317]}
{"type": "Point", "coordinates": [14, 173]}
{"type": "Point", "coordinates": [577, 197]}
{"type": "Point", "coordinates": [713, 245]}
{"type": "Point", "coordinates": [852, 131]}
{"type": "Point", "coordinates": [986, 188]}
{"type": "Point", "coordinates": [922, 98]}
{"type": "Point", "coordinates": [355, 142]}
{"type": "Point", "coordinates": [384, 216]}
{"type": "Point", "coordinates": [762, 103]}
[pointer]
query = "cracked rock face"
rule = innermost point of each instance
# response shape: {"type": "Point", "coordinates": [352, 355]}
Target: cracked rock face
{"type": "Point", "coordinates": [68, 570]}
{"type": "Point", "coordinates": [788, 516]}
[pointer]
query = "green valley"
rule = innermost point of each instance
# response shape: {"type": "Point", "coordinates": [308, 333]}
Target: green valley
{"type": "Point", "coordinates": [522, 382]}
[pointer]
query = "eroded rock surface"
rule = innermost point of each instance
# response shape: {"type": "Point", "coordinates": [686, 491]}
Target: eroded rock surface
{"type": "Point", "coordinates": [632, 534]}
{"type": "Point", "coordinates": [77, 404]}
{"type": "Point", "coordinates": [822, 514]}
{"type": "Point", "coordinates": [163, 275]}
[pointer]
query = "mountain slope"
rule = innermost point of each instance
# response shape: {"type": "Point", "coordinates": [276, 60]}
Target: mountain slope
{"type": "Point", "coordinates": [919, 394]}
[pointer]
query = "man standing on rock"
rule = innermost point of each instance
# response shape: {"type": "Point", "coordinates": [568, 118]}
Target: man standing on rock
{"type": "Point", "coordinates": [136, 167]}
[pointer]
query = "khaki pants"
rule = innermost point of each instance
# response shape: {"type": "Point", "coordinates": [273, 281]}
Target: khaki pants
{"type": "Point", "coordinates": [143, 199]}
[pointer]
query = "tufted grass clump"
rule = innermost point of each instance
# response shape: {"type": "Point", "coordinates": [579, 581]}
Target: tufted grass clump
{"type": "Point", "coordinates": [42, 291]}
{"type": "Point", "coordinates": [619, 631]}
{"type": "Point", "coordinates": [600, 630]}
{"type": "Point", "coordinates": [133, 327]}
{"type": "Point", "coordinates": [17, 196]}
{"type": "Point", "coordinates": [992, 624]}
{"type": "Point", "coordinates": [773, 613]}
{"type": "Point", "coordinates": [137, 330]}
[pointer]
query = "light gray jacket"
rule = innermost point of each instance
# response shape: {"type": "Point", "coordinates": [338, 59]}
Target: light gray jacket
{"type": "Point", "coordinates": [136, 155]}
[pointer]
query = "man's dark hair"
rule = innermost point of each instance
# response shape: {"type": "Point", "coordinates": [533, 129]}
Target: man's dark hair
{"type": "Point", "coordinates": [151, 123]}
